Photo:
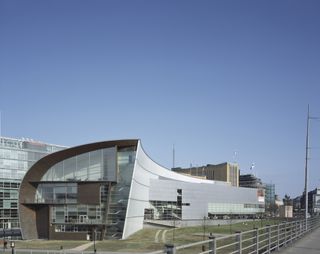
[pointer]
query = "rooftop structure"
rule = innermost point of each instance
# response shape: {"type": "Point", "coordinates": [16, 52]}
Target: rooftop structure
{"type": "Point", "coordinates": [227, 172]}
{"type": "Point", "coordinates": [250, 181]}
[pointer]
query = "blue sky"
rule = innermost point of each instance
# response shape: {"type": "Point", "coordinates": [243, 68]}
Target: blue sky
{"type": "Point", "coordinates": [210, 77]}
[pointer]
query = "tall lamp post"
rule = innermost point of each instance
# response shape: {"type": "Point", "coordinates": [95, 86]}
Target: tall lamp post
{"type": "Point", "coordinates": [306, 165]}
{"type": "Point", "coordinates": [94, 240]}
{"type": "Point", "coordinates": [12, 245]}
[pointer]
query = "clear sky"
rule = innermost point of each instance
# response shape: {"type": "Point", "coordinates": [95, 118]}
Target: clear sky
{"type": "Point", "coordinates": [210, 77]}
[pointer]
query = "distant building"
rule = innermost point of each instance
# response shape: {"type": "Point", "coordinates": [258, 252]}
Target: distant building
{"type": "Point", "coordinates": [227, 172]}
{"type": "Point", "coordinates": [278, 202]}
{"type": "Point", "coordinates": [251, 181]}
{"type": "Point", "coordinates": [297, 206]}
{"type": "Point", "coordinates": [270, 195]}
{"type": "Point", "coordinates": [313, 201]}
{"type": "Point", "coordinates": [286, 211]}
{"type": "Point", "coordinates": [16, 157]}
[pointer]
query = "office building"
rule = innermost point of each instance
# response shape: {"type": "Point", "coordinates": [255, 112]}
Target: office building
{"type": "Point", "coordinates": [251, 181]}
{"type": "Point", "coordinates": [227, 172]}
{"type": "Point", "coordinates": [107, 189]}
{"type": "Point", "coordinates": [16, 157]}
{"type": "Point", "coordinates": [313, 201]}
{"type": "Point", "coordinates": [270, 195]}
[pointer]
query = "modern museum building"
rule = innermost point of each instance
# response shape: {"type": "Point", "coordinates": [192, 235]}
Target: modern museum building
{"type": "Point", "coordinates": [111, 188]}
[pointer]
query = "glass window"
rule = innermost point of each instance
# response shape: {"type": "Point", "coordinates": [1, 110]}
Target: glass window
{"type": "Point", "coordinates": [69, 166]}
{"type": "Point", "coordinates": [95, 165]}
{"type": "Point", "coordinates": [109, 164]}
{"type": "Point", "coordinates": [82, 166]}
{"type": "Point", "coordinates": [58, 174]}
{"type": "Point", "coordinates": [60, 217]}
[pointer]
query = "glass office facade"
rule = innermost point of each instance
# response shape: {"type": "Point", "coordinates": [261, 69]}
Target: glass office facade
{"type": "Point", "coordinates": [16, 157]}
{"type": "Point", "coordinates": [238, 209]}
{"type": "Point", "coordinates": [270, 194]}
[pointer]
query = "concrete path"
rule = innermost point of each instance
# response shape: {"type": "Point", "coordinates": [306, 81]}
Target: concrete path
{"type": "Point", "coordinates": [309, 244]}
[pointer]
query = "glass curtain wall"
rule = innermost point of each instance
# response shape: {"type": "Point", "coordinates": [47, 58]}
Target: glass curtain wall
{"type": "Point", "coordinates": [113, 168]}
{"type": "Point", "coordinates": [119, 194]}
{"type": "Point", "coordinates": [99, 165]}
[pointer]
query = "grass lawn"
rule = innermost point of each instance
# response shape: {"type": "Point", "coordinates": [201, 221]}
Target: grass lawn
{"type": "Point", "coordinates": [145, 240]}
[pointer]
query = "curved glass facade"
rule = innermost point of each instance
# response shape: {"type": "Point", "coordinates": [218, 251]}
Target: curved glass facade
{"type": "Point", "coordinates": [65, 188]}
{"type": "Point", "coordinates": [97, 165]}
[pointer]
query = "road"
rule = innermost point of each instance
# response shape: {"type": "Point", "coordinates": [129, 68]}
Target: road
{"type": "Point", "coordinates": [309, 244]}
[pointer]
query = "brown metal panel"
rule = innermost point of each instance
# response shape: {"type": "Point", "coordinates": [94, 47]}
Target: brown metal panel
{"type": "Point", "coordinates": [42, 218]}
{"type": "Point", "coordinates": [66, 235]}
{"type": "Point", "coordinates": [89, 193]}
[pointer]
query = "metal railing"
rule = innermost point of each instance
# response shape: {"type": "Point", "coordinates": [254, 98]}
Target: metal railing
{"type": "Point", "coordinates": [257, 241]}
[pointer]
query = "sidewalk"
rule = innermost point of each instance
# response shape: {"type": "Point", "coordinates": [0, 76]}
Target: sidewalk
{"type": "Point", "coordinates": [308, 244]}
{"type": "Point", "coordinates": [82, 247]}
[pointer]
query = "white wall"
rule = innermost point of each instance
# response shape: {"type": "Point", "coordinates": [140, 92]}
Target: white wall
{"type": "Point", "coordinates": [150, 181]}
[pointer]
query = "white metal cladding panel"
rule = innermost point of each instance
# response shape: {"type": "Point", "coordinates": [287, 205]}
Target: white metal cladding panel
{"type": "Point", "coordinates": [200, 195]}
{"type": "Point", "coordinates": [137, 208]}
{"type": "Point", "coordinates": [139, 191]}
{"type": "Point", "coordinates": [197, 192]}
{"type": "Point", "coordinates": [143, 176]}
{"type": "Point", "coordinates": [209, 192]}
{"type": "Point", "coordinates": [163, 190]}
{"type": "Point", "coordinates": [132, 225]}
{"type": "Point", "coordinates": [156, 169]}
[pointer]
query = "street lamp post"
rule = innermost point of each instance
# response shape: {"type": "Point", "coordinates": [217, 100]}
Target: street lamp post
{"type": "Point", "coordinates": [4, 240]}
{"type": "Point", "coordinates": [12, 245]}
{"type": "Point", "coordinates": [94, 240]}
{"type": "Point", "coordinates": [306, 165]}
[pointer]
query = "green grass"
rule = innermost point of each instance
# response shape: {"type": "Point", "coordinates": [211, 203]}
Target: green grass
{"type": "Point", "coordinates": [144, 240]}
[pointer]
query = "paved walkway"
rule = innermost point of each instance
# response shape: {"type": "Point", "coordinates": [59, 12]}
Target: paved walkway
{"type": "Point", "coordinates": [309, 244]}
{"type": "Point", "coordinates": [82, 247]}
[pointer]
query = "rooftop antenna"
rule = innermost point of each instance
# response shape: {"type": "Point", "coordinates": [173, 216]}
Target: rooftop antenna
{"type": "Point", "coordinates": [234, 157]}
{"type": "Point", "coordinates": [252, 167]}
{"type": "Point", "coordinates": [173, 157]}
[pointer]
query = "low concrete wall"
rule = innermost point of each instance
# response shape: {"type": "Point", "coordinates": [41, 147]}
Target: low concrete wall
{"type": "Point", "coordinates": [190, 223]}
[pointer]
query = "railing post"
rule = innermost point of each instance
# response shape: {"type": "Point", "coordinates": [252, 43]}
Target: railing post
{"type": "Point", "coordinates": [297, 230]}
{"type": "Point", "coordinates": [278, 237]}
{"type": "Point", "coordinates": [239, 241]}
{"type": "Point", "coordinates": [212, 244]}
{"type": "Point", "coordinates": [285, 234]}
{"type": "Point", "coordinates": [269, 238]}
{"type": "Point", "coordinates": [291, 231]}
{"type": "Point", "coordinates": [170, 249]}
{"type": "Point", "coordinates": [256, 240]}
